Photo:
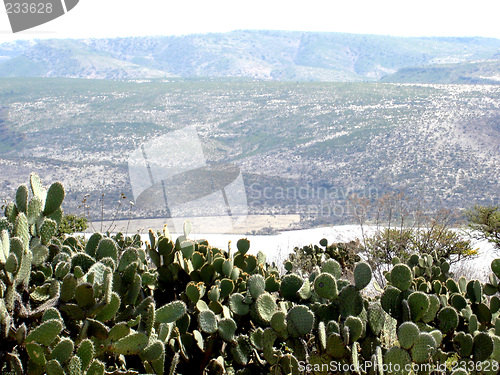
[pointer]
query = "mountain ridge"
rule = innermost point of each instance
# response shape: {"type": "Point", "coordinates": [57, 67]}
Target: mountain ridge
{"type": "Point", "coordinates": [254, 54]}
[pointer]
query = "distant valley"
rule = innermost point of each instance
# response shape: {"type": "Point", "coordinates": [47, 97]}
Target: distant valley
{"type": "Point", "coordinates": [324, 141]}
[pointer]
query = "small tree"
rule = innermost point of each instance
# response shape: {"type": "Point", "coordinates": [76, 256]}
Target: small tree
{"type": "Point", "coordinates": [402, 230]}
{"type": "Point", "coordinates": [70, 224]}
{"type": "Point", "coordinates": [485, 221]}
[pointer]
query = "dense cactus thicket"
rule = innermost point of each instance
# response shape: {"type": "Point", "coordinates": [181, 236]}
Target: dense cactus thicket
{"type": "Point", "coordinates": [115, 305]}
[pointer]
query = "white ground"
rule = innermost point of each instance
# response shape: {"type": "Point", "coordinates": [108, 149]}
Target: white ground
{"type": "Point", "coordinates": [278, 246]}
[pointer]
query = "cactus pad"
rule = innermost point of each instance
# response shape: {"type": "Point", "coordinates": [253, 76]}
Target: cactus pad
{"type": "Point", "coordinates": [107, 248]}
{"type": "Point", "coordinates": [119, 331]}
{"type": "Point", "coordinates": [423, 348]}
{"type": "Point", "coordinates": [322, 335]}
{"type": "Point", "coordinates": [299, 320]}
{"type": "Point", "coordinates": [268, 338]}
{"type": "Point", "coordinates": [35, 353]}
{"type": "Point", "coordinates": [86, 352]}
{"type": "Point", "coordinates": [335, 346]}
{"type": "Point", "coordinates": [407, 334]}
{"type": "Point", "coordinates": [482, 312]}
{"type": "Point", "coordinates": [462, 342]}
{"type": "Point", "coordinates": [53, 367]}
{"type": "Point", "coordinates": [12, 263]}
{"type": "Point", "coordinates": [325, 286]}
{"type": "Point", "coordinates": [418, 303]}
{"type": "Point", "coordinates": [272, 283]}
{"type": "Point", "coordinates": [362, 275]}
{"type": "Point", "coordinates": [458, 301]}
{"type": "Point", "coordinates": [170, 312]}
{"type": "Point", "coordinates": [22, 198]}
{"type": "Point", "coordinates": [376, 318]}
{"type": "Point", "coordinates": [495, 267]}
{"type": "Point", "coordinates": [34, 209]}
{"type": "Point", "coordinates": [227, 329]}
{"type": "Point", "coordinates": [256, 338]}
{"type": "Point", "coordinates": [84, 295]}
{"type": "Point", "coordinates": [264, 308]}
{"type": "Point", "coordinates": [237, 304]}
{"type": "Point", "coordinates": [48, 230]}
{"type": "Point", "coordinates": [193, 291]}
{"type": "Point", "coordinates": [153, 351]}
{"type": "Point", "coordinates": [241, 350]}
{"type": "Point", "coordinates": [21, 229]}
{"type": "Point", "coordinates": [187, 249]}
{"type": "Point", "coordinates": [37, 187]}
{"type": "Point", "coordinates": [256, 285]}
{"type": "Point", "coordinates": [214, 293]}
{"type": "Point", "coordinates": [482, 346]}
{"type": "Point", "coordinates": [278, 322]}
{"type": "Point", "coordinates": [473, 324]}
{"type": "Point", "coordinates": [51, 313]}
{"type": "Point", "coordinates": [46, 332]}
{"type": "Point", "coordinates": [332, 267]}
{"type": "Point", "coordinates": [82, 260]}
{"type": "Point", "coordinates": [448, 319]}
{"type": "Point", "coordinates": [131, 344]}
{"type": "Point", "coordinates": [397, 359]}
{"type": "Point", "coordinates": [438, 336]}
{"type": "Point", "coordinates": [401, 277]}
{"type": "Point", "coordinates": [109, 311]}
{"type": "Point", "coordinates": [92, 243]}
{"type": "Point", "coordinates": [391, 301]}
{"type": "Point", "coordinates": [350, 301]}
{"type": "Point", "coordinates": [243, 245]}
{"type": "Point", "coordinates": [433, 308]}
{"type": "Point", "coordinates": [290, 285]}
{"type": "Point", "coordinates": [207, 321]}
{"type": "Point", "coordinates": [227, 267]}
{"type": "Point", "coordinates": [305, 291]}
{"type": "Point", "coordinates": [494, 304]}
{"type": "Point", "coordinates": [355, 326]}
{"type": "Point", "coordinates": [128, 256]}
{"type": "Point", "coordinates": [63, 350]}
{"type": "Point", "coordinates": [54, 199]}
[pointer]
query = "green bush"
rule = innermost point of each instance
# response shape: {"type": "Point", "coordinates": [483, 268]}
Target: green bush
{"type": "Point", "coordinates": [305, 259]}
{"type": "Point", "coordinates": [486, 221]}
{"type": "Point", "coordinates": [391, 245]}
{"type": "Point", "coordinates": [71, 224]}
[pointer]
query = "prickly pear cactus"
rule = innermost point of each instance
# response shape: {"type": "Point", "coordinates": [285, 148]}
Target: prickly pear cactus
{"type": "Point", "coordinates": [115, 304]}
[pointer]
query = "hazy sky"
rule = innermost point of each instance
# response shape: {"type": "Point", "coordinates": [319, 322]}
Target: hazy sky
{"type": "Point", "coordinates": [110, 18]}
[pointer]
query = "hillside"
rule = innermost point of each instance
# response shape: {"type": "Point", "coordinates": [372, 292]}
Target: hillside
{"type": "Point", "coordinates": [302, 148]}
{"type": "Point", "coordinates": [485, 72]}
{"type": "Point", "coordinates": [262, 55]}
